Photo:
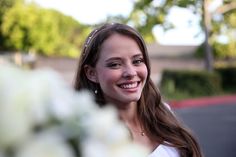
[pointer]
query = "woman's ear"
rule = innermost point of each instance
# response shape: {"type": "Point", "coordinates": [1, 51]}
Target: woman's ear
{"type": "Point", "coordinates": [90, 73]}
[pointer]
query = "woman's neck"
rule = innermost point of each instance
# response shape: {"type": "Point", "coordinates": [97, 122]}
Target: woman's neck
{"type": "Point", "coordinates": [128, 115]}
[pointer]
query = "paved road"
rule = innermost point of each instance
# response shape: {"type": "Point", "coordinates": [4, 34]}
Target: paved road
{"type": "Point", "coordinates": [215, 127]}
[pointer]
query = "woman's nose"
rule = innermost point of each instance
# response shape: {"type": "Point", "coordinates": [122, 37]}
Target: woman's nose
{"type": "Point", "coordinates": [129, 71]}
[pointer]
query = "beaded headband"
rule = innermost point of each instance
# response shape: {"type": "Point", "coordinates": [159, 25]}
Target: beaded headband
{"type": "Point", "coordinates": [92, 34]}
{"type": "Point", "coordinates": [90, 37]}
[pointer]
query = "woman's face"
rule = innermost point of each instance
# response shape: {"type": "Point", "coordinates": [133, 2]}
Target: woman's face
{"type": "Point", "coordinates": [120, 70]}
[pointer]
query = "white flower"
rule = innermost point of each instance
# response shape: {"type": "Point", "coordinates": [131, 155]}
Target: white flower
{"type": "Point", "coordinates": [15, 124]}
{"type": "Point", "coordinates": [106, 136]}
{"type": "Point", "coordinates": [61, 96]}
{"type": "Point", "coordinates": [1, 154]}
{"type": "Point", "coordinates": [41, 99]}
{"type": "Point", "coordinates": [94, 148]}
{"type": "Point", "coordinates": [45, 145]}
{"type": "Point", "coordinates": [51, 96]}
{"type": "Point", "coordinates": [85, 103]}
{"type": "Point", "coordinates": [103, 124]}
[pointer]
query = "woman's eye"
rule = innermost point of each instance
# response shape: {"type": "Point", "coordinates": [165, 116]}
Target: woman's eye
{"type": "Point", "coordinates": [138, 61]}
{"type": "Point", "coordinates": [113, 65]}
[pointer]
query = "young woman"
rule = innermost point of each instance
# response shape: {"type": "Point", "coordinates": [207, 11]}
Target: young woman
{"type": "Point", "coordinates": [115, 66]}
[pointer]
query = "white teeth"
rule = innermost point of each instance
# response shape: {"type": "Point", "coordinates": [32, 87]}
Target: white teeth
{"type": "Point", "coordinates": [127, 86]}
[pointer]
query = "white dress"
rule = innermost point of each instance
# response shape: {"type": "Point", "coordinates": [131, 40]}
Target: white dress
{"type": "Point", "coordinates": [164, 151]}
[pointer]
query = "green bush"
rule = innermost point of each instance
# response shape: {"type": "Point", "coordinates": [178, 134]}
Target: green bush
{"type": "Point", "coordinates": [185, 84]}
{"type": "Point", "coordinates": [224, 50]}
{"type": "Point", "coordinates": [228, 76]}
{"type": "Point", "coordinates": [219, 50]}
{"type": "Point", "coordinates": [28, 27]}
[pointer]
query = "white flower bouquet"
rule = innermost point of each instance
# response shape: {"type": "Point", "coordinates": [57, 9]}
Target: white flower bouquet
{"type": "Point", "coordinates": [42, 116]}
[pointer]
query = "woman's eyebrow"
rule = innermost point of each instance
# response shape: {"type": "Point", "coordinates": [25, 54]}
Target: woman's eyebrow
{"type": "Point", "coordinates": [113, 59]}
{"type": "Point", "coordinates": [137, 55]}
{"type": "Point", "coordinates": [119, 58]}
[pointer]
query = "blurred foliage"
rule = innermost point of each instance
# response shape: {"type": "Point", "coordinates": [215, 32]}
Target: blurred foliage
{"type": "Point", "coordinates": [225, 28]}
{"type": "Point", "coordinates": [148, 13]}
{"type": "Point", "coordinates": [27, 27]}
{"type": "Point", "coordinates": [228, 76]}
{"type": "Point", "coordinates": [182, 84]}
{"type": "Point", "coordinates": [225, 50]}
{"type": "Point", "coordinates": [225, 63]}
{"type": "Point", "coordinates": [220, 50]}
{"type": "Point", "coordinates": [5, 5]}
{"type": "Point", "coordinates": [189, 84]}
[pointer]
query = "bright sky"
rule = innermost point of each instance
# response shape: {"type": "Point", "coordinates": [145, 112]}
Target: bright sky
{"type": "Point", "coordinates": [94, 11]}
{"type": "Point", "coordinates": [89, 11]}
{"type": "Point", "coordinates": [186, 29]}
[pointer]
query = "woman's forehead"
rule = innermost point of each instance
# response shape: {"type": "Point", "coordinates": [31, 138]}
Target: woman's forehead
{"type": "Point", "coordinates": [119, 45]}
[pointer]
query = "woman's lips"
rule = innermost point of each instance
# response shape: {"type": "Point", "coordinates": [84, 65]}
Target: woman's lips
{"type": "Point", "coordinates": [130, 85]}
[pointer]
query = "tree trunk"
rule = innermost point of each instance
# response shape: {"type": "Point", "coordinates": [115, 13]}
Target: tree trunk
{"type": "Point", "coordinates": [207, 29]}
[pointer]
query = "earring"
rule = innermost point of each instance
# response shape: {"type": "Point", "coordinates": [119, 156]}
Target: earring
{"type": "Point", "coordinates": [96, 91]}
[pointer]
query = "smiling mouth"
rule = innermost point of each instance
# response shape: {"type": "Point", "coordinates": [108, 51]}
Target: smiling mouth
{"type": "Point", "coordinates": [129, 85]}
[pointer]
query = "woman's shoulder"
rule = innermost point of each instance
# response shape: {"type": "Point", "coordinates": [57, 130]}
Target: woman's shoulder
{"type": "Point", "coordinates": [165, 151]}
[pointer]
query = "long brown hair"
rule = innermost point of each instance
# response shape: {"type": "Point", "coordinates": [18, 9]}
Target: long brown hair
{"type": "Point", "coordinates": [158, 122]}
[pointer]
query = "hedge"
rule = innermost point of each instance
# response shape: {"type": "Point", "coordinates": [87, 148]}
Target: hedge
{"type": "Point", "coordinates": [183, 83]}
{"type": "Point", "coordinates": [228, 76]}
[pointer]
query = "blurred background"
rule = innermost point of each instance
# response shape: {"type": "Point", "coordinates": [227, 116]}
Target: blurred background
{"type": "Point", "coordinates": [186, 36]}
{"type": "Point", "coordinates": [191, 43]}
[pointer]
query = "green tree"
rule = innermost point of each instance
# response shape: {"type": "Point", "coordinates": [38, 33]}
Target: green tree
{"type": "Point", "coordinates": [226, 28]}
{"type": "Point", "coordinates": [148, 13]}
{"type": "Point", "coordinates": [49, 32]}
{"type": "Point", "coordinates": [25, 27]}
{"type": "Point", "coordinates": [5, 5]}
